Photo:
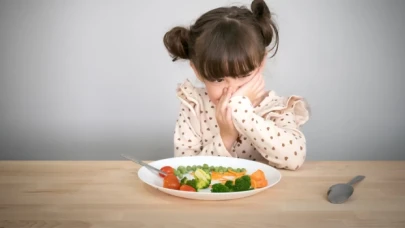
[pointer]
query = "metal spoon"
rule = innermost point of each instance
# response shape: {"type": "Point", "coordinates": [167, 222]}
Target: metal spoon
{"type": "Point", "coordinates": [339, 193]}
{"type": "Point", "coordinates": [144, 164]}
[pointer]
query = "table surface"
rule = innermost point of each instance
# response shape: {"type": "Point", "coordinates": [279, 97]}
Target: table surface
{"type": "Point", "coordinates": [109, 194]}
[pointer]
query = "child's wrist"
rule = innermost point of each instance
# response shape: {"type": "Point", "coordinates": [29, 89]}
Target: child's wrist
{"type": "Point", "coordinates": [228, 140]}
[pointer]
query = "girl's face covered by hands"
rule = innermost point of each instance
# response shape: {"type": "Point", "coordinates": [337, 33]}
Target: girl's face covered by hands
{"type": "Point", "coordinates": [251, 85]}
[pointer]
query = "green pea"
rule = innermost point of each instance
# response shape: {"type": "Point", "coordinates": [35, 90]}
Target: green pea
{"type": "Point", "coordinates": [182, 169]}
{"type": "Point", "coordinates": [205, 166]}
{"type": "Point", "coordinates": [216, 169]}
{"type": "Point", "coordinates": [188, 168]}
{"type": "Point", "coordinates": [193, 167]}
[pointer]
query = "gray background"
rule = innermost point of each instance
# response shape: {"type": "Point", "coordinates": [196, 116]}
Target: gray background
{"type": "Point", "coordinates": [83, 79]}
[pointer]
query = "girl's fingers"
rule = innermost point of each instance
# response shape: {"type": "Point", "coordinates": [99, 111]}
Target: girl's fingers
{"type": "Point", "coordinates": [221, 101]}
{"type": "Point", "coordinates": [225, 101]}
{"type": "Point", "coordinates": [229, 116]}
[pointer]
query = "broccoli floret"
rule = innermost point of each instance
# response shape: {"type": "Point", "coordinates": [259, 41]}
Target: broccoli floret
{"type": "Point", "coordinates": [218, 187]}
{"type": "Point", "coordinates": [183, 181]}
{"type": "Point", "coordinates": [229, 184]}
{"type": "Point", "coordinates": [203, 179]}
{"type": "Point", "coordinates": [191, 182]}
{"type": "Point", "coordinates": [242, 183]}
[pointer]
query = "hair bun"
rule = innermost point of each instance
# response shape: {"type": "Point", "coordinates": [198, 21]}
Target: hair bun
{"type": "Point", "coordinates": [268, 27]}
{"type": "Point", "coordinates": [260, 10]}
{"type": "Point", "coordinates": [176, 42]}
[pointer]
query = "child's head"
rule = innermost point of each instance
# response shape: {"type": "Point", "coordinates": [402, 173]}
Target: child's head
{"type": "Point", "coordinates": [226, 46]}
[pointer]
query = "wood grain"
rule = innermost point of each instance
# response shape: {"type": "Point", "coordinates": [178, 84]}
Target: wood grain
{"type": "Point", "coordinates": [109, 194]}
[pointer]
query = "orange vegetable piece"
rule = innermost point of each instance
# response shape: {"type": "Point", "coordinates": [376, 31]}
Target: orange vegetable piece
{"type": "Point", "coordinates": [260, 183]}
{"type": "Point", "coordinates": [258, 175]}
{"type": "Point", "coordinates": [258, 179]}
{"type": "Point", "coordinates": [216, 175]}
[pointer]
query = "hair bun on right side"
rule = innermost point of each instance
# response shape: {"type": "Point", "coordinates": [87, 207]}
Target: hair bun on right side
{"type": "Point", "coordinates": [260, 10]}
{"type": "Point", "coordinates": [263, 16]}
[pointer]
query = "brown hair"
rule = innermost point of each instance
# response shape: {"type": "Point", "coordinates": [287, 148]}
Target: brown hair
{"type": "Point", "coordinates": [226, 41]}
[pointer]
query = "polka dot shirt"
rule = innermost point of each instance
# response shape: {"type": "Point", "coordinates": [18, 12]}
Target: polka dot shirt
{"type": "Point", "coordinates": [268, 132]}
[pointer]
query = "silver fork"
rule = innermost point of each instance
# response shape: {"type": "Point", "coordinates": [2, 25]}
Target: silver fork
{"type": "Point", "coordinates": [143, 164]}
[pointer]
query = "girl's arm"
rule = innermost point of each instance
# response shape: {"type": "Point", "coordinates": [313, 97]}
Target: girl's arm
{"type": "Point", "coordinates": [188, 140]}
{"type": "Point", "coordinates": [275, 132]}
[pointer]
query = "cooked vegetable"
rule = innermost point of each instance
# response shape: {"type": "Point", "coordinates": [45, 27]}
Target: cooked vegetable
{"type": "Point", "coordinates": [226, 175]}
{"type": "Point", "coordinates": [187, 188]}
{"type": "Point", "coordinates": [191, 182]}
{"type": "Point", "coordinates": [183, 181]}
{"type": "Point", "coordinates": [218, 187]}
{"type": "Point", "coordinates": [229, 184]}
{"type": "Point", "coordinates": [203, 179]}
{"type": "Point", "coordinates": [171, 181]}
{"type": "Point", "coordinates": [182, 169]}
{"type": "Point", "coordinates": [242, 184]}
{"type": "Point", "coordinates": [258, 179]}
{"type": "Point", "coordinates": [231, 179]}
{"type": "Point", "coordinates": [167, 169]}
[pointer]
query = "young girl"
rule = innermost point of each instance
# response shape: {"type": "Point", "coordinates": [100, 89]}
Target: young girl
{"type": "Point", "coordinates": [233, 116]}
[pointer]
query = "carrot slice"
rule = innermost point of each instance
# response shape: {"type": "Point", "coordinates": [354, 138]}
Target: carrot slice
{"type": "Point", "coordinates": [258, 179]}
{"type": "Point", "coordinates": [253, 183]}
{"type": "Point", "coordinates": [237, 173]}
{"type": "Point", "coordinates": [260, 183]}
{"type": "Point", "coordinates": [258, 175]}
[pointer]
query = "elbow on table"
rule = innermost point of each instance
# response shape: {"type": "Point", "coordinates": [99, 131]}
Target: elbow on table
{"type": "Point", "coordinates": [291, 161]}
{"type": "Point", "coordinates": [294, 164]}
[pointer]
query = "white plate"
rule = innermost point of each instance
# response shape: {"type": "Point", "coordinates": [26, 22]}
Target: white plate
{"type": "Point", "coordinates": [273, 176]}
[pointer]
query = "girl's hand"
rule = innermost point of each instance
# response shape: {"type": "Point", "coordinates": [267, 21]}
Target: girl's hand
{"type": "Point", "coordinates": [254, 90]}
{"type": "Point", "coordinates": [228, 132]}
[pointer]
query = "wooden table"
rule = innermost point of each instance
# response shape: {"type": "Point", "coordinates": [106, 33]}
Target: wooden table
{"type": "Point", "coordinates": [109, 194]}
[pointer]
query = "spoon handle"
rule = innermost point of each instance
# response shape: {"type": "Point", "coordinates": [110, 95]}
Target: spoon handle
{"type": "Point", "coordinates": [356, 180]}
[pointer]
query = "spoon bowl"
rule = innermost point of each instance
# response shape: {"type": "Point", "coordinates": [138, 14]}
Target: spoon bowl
{"type": "Point", "coordinates": [340, 193]}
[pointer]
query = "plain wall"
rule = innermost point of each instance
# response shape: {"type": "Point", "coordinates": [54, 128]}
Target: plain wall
{"type": "Point", "coordinates": [90, 79]}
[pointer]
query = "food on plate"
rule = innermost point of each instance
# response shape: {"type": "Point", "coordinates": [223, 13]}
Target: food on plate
{"type": "Point", "coordinates": [202, 178]}
{"type": "Point", "coordinates": [182, 170]}
{"type": "Point", "coordinates": [166, 169]}
{"type": "Point", "coordinates": [187, 188]}
{"type": "Point", "coordinates": [258, 179]}
{"type": "Point", "coordinates": [171, 181]}
{"type": "Point", "coordinates": [242, 183]}
{"type": "Point", "coordinates": [229, 179]}
{"type": "Point", "coordinates": [192, 183]}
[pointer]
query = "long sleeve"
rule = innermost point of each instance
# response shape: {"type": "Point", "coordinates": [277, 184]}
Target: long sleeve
{"type": "Point", "coordinates": [275, 131]}
{"type": "Point", "coordinates": [189, 140]}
